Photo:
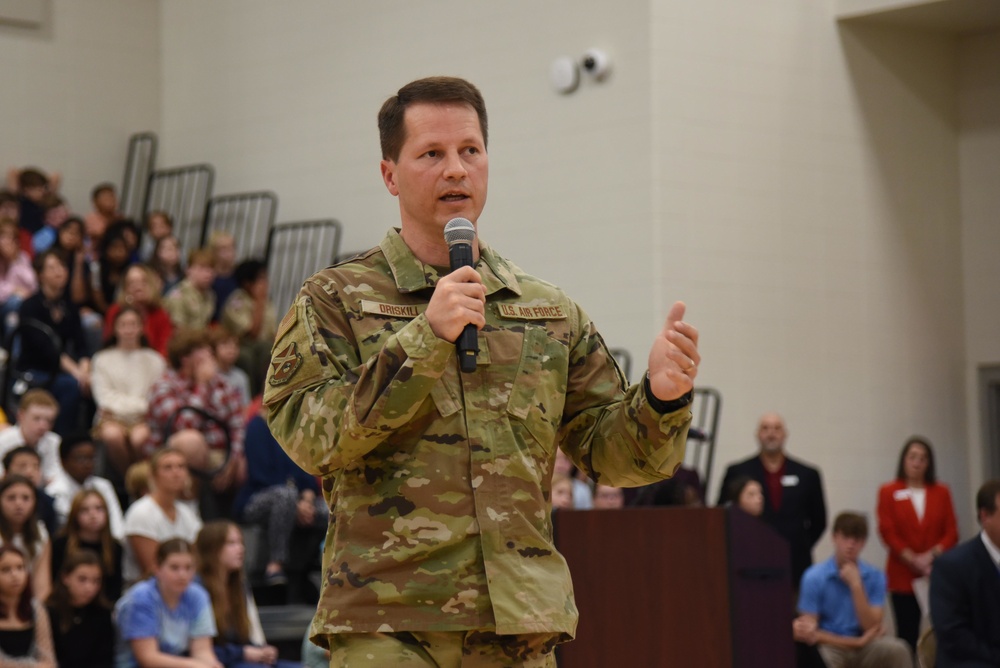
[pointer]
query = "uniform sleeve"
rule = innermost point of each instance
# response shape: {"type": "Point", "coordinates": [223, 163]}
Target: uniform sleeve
{"type": "Point", "coordinates": [327, 407]}
{"type": "Point", "coordinates": [609, 429]}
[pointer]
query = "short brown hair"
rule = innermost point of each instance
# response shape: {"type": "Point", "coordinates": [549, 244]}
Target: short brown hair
{"type": "Point", "coordinates": [183, 343]}
{"type": "Point", "coordinates": [986, 497]}
{"type": "Point", "coordinates": [851, 525]}
{"type": "Point", "coordinates": [37, 397]}
{"type": "Point", "coordinates": [201, 256]}
{"type": "Point", "coordinates": [441, 90]}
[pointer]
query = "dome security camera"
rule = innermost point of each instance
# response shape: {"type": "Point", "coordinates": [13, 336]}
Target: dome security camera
{"type": "Point", "coordinates": [596, 63]}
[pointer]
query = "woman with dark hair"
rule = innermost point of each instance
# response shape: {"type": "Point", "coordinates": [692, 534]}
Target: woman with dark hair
{"type": "Point", "coordinates": [122, 374]}
{"type": "Point", "coordinates": [82, 631]}
{"type": "Point", "coordinates": [747, 495]}
{"type": "Point", "coordinates": [240, 641]}
{"type": "Point", "coordinates": [114, 257]}
{"type": "Point", "coordinates": [25, 634]}
{"type": "Point", "coordinates": [917, 523]}
{"type": "Point", "coordinates": [168, 616]}
{"type": "Point", "coordinates": [20, 527]}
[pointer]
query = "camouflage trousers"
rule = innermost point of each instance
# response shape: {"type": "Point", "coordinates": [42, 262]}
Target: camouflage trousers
{"type": "Point", "coordinates": [451, 649]}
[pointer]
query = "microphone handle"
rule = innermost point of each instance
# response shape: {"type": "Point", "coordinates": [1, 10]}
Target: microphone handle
{"type": "Point", "coordinates": [467, 343]}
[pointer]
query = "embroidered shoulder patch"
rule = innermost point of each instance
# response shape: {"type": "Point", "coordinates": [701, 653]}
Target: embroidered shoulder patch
{"type": "Point", "coordinates": [285, 364]}
{"type": "Point", "coordinates": [532, 311]}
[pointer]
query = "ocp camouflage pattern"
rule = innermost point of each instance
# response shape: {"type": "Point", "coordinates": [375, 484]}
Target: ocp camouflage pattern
{"type": "Point", "coordinates": [438, 481]}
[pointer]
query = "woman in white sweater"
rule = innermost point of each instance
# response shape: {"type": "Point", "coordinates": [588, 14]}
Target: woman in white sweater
{"type": "Point", "coordinates": [121, 377]}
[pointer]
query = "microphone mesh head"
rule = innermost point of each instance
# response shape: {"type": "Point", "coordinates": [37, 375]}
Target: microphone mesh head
{"type": "Point", "coordinates": [459, 231]}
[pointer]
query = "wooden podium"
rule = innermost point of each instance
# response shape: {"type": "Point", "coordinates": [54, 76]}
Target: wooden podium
{"type": "Point", "coordinates": [678, 588]}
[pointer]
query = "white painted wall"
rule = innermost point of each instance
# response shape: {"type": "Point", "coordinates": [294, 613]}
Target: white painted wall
{"type": "Point", "coordinates": [979, 155]}
{"type": "Point", "coordinates": [74, 90]}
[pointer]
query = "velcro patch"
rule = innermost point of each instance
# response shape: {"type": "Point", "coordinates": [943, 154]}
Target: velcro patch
{"type": "Point", "coordinates": [392, 310]}
{"type": "Point", "coordinates": [532, 311]}
{"type": "Point", "coordinates": [285, 364]}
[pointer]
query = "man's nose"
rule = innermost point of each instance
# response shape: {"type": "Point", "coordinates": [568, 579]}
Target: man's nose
{"type": "Point", "coordinates": [454, 167]}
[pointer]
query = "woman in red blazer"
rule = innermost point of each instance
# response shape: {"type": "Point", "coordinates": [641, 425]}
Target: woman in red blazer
{"type": "Point", "coordinates": [916, 520]}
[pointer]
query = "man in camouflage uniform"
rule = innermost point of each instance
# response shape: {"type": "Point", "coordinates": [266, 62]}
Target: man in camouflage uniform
{"type": "Point", "coordinates": [440, 547]}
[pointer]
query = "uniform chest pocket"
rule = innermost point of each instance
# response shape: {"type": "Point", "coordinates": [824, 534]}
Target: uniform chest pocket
{"type": "Point", "coordinates": [537, 394]}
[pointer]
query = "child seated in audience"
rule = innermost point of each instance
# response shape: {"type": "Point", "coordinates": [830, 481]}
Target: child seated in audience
{"type": "Point", "coordinates": [36, 415]}
{"type": "Point", "coordinates": [251, 316]}
{"type": "Point", "coordinates": [841, 604]}
{"type": "Point", "coordinates": [168, 615]}
{"type": "Point", "coordinates": [32, 187]}
{"type": "Point", "coordinates": [748, 495]}
{"type": "Point", "coordinates": [562, 492]}
{"type": "Point", "coordinates": [82, 631]}
{"type": "Point", "coordinates": [123, 373]}
{"type": "Point", "coordinates": [192, 302]}
{"type": "Point", "coordinates": [105, 212]}
{"type": "Point", "coordinates": [166, 262]}
{"type": "Point", "coordinates": [24, 461]}
{"type": "Point", "coordinates": [240, 642]}
{"type": "Point", "coordinates": [87, 530]}
{"type": "Point", "coordinates": [20, 528]}
{"type": "Point", "coordinates": [142, 290]}
{"type": "Point", "coordinates": [78, 456]}
{"type": "Point", "coordinates": [608, 498]}
{"type": "Point", "coordinates": [223, 247]}
{"type": "Point", "coordinates": [25, 633]}
{"type": "Point", "coordinates": [159, 225]}
{"type": "Point", "coordinates": [226, 346]}
{"type": "Point", "coordinates": [583, 497]}
{"type": "Point", "coordinates": [17, 277]}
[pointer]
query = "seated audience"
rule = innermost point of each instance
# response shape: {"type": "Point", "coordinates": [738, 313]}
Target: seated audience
{"type": "Point", "coordinates": [17, 278]}
{"type": "Point", "coordinates": [78, 455]}
{"type": "Point", "coordinates": [747, 495]}
{"type": "Point", "coordinates": [50, 307]}
{"type": "Point", "coordinates": [114, 259]}
{"type": "Point", "coordinates": [841, 605]}
{"type": "Point", "coordinates": [191, 302]}
{"type": "Point", "coordinates": [965, 592]}
{"type": "Point", "coordinates": [79, 285]}
{"type": "Point", "coordinates": [159, 225]}
{"type": "Point", "coordinates": [25, 634]}
{"type": "Point", "coordinates": [917, 523]}
{"type": "Point", "coordinates": [82, 631]}
{"type": "Point", "coordinates": [105, 212]}
{"type": "Point", "coordinates": [32, 187]}
{"type": "Point", "coordinates": [137, 481]}
{"type": "Point", "coordinates": [20, 527]}
{"type": "Point", "coordinates": [250, 315]}
{"type": "Point", "coordinates": [562, 491]}
{"type": "Point", "coordinates": [583, 497]}
{"type": "Point", "coordinates": [223, 248]}
{"type": "Point", "coordinates": [87, 530]}
{"type": "Point", "coordinates": [158, 516]}
{"type": "Point", "coordinates": [168, 615]}
{"type": "Point", "coordinates": [278, 495]}
{"type": "Point", "coordinates": [166, 262]}
{"type": "Point", "coordinates": [57, 212]}
{"type": "Point", "coordinates": [608, 498]}
{"type": "Point", "coordinates": [24, 461]}
{"type": "Point", "coordinates": [240, 642]}
{"type": "Point", "coordinates": [123, 374]}
{"type": "Point", "coordinates": [193, 380]}
{"type": "Point", "coordinates": [8, 204]}
{"type": "Point", "coordinates": [141, 291]}
{"type": "Point", "coordinates": [226, 347]}
{"type": "Point", "coordinates": [36, 415]}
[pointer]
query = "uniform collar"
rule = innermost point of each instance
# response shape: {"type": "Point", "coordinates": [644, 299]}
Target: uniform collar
{"type": "Point", "coordinates": [412, 275]}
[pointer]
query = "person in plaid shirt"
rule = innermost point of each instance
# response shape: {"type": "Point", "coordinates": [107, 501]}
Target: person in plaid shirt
{"type": "Point", "coordinates": [193, 380]}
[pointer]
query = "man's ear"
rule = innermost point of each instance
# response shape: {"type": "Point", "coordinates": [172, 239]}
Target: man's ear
{"type": "Point", "coordinates": [388, 168]}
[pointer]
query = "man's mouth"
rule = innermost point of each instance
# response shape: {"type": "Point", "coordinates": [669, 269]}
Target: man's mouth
{"type": "Point", "coordinates": [453, 197]}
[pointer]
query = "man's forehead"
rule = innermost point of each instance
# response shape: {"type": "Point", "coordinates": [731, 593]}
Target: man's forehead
{"type": "Point", "coordinates": [429, 117]}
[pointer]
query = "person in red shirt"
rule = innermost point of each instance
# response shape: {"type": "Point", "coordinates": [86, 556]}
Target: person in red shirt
{"type": "Point", "coordinates": [917, 523]}
{"type": "Point", "coordinates": [141, 290]}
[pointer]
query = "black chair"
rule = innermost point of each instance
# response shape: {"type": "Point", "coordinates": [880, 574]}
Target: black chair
{"type": "Point", "coordinates": [16, 381]}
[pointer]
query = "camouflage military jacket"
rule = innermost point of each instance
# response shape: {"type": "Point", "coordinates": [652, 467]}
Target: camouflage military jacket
{"type": "Point", "coordinates": [189, 307]}
{"type": "Point", "coordinates": [438, 481]}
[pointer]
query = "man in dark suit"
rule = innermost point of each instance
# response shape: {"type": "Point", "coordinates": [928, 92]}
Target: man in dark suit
{"type": "Point", "coordinates": [965, 592]}
{"type": "Point", "coordinates": [793, 493]}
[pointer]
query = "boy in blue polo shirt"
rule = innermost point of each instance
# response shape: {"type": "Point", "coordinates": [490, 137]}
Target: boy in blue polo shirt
{"type": "Point", "coordinates": [841, 603]}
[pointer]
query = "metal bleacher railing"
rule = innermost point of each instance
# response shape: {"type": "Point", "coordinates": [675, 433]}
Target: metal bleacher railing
{"type": "Point", "coordinates": [296, 251]}
{"type": "Point", "coordinates": [140, 162]}
{"type": "Point", "coordinates": [249, 217]}
{"type": "Point", "coordinates": [183, 192]}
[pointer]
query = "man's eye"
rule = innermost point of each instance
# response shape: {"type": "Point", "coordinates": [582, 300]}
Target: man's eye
{"type": "Point", "coordinates": [431, 154]}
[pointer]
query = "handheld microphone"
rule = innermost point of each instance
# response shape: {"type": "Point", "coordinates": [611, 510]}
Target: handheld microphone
{"type": "Point", "coordinates": [460, 234]}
